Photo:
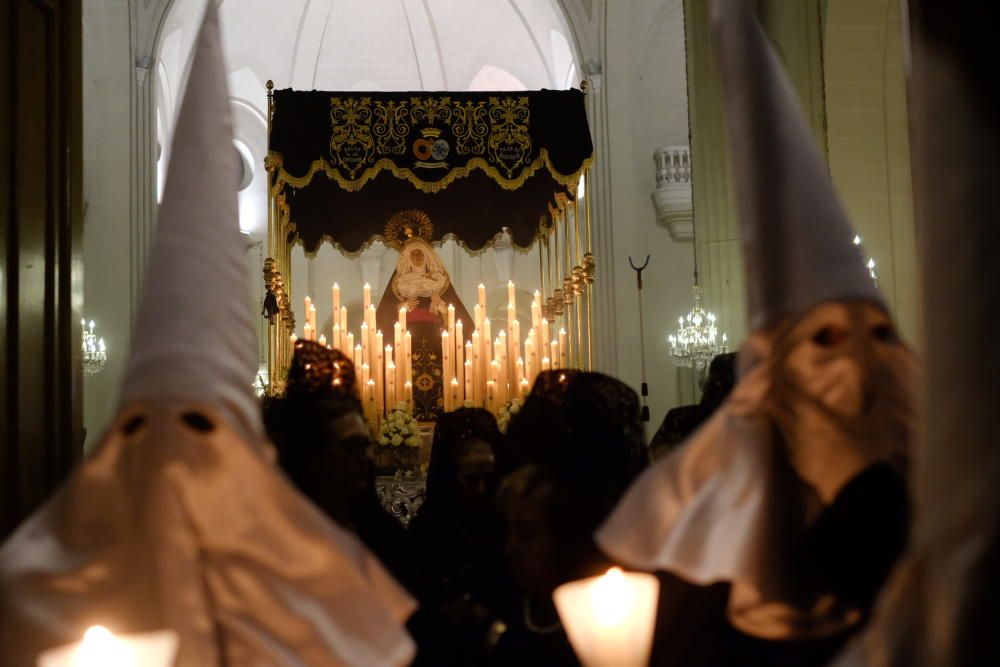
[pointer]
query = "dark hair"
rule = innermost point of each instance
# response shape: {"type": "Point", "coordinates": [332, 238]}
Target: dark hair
{"type": "Point", "coordinates": [583, 431]}
{"type": "Point", "coordinates": [720, 381]}
{"type": "Point", "coordinates": [453, 429]}
{"type": "Point", "coordinates": [298, 427]}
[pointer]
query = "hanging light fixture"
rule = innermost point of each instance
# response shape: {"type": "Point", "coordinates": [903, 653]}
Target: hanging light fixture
{"type": "Point", "coordinates": [95, 352]}
{"type": "Point", "coordinates": [870, 264]}
{"type": "Point", "coordinates": [697, 339]}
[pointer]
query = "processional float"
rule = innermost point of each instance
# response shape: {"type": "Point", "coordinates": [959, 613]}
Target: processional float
{"type": "Point", "coordinates": [411, 170]}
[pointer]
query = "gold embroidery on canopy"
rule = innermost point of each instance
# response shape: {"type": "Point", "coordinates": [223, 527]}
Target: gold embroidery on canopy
{"type": "Point", "coordinates": [351, 143]}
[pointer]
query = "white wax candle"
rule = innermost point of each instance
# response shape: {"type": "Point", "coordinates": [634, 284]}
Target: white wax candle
{"type": "Point", "coordinates": [336, 299]}
{"type": "Point", "coordinates": [446, 352]}
{"type": "Point", "coordinates": [367, 291]}
{"type": "Point", "coordinates": [322, 340]}
{"type": "Point", "coordinates": [563, 349]}
{"type": "Point", "coordinates": [402, 320]}
{"type": "Point", "coordinates": [365, 342]}
{"type": "Point", "coordinates": [469, 378]}
{"type": "Point", "coordinates": [337, 341]}
{"type": "Point", "coordinates": [511, 293]}
{"type": "Point", "coordinates": [101, 648]}
{"type": "Point", "coordinates": [379, 374]}
{"type": "Point", "coordinates": [546, 365]}
{"type": "Point", "coordinates": [482, 297]}
{"type": "Point", "coordinates": [408, 394]}
{"type": "Point", "coordinates": [610, 619]}
{"type": "Point", "coordinates": [390, 379]}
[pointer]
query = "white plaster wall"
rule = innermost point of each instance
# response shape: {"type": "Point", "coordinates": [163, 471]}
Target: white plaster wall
{"type": "Point", "coordinates": [645, 83]}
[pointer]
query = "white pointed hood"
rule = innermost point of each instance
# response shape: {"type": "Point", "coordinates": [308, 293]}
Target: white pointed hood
{"type": "Point", "coordinates": [717, 509]}
{"type": "Point", "coordinates": [797, 241]}
{"type": "Point", "coordinates": [193, 336]}
{"type": "Point", "coordinates": [179, 520]}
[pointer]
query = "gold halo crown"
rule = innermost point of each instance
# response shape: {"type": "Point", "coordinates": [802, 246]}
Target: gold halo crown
{"type": "Point", "coordinates": [405, 225]}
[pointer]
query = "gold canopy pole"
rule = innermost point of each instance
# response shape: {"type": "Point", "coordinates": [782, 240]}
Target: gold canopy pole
{"type": "Point", "coordinates": [558, 306]}
{"type": "Point", "coordinates": [568, 281]}
{"type": "Point", "coordinates": [589, 267]}
{"type": "Point", "coordinates": [578, 286]}
{"type": "Point", "coordinates": [274, 328]}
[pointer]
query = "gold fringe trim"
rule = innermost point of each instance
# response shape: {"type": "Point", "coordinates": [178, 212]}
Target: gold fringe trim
{"type": "Point", "coordinates": [378, 238]}
{"type": "Point", "coordinates": [385, 164]}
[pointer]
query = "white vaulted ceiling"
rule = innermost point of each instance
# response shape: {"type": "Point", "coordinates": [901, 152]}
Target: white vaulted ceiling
{"type": "Point", "coordinates": [363, 45]}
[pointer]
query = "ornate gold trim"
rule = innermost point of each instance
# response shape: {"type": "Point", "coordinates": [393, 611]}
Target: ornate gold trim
{"type": "Point", "coordinates": [385, 164]}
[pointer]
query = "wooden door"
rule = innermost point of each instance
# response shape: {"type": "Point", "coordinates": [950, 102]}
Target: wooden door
{"type": "Point", "coordinates": [41, 286]}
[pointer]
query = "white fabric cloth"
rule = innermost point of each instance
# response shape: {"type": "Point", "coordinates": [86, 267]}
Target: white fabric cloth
{"type": "Point", "coordinates": [193, 337]}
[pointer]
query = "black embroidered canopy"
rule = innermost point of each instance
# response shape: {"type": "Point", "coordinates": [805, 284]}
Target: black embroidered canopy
{"type": "Point", "coordinates": [344, 163]}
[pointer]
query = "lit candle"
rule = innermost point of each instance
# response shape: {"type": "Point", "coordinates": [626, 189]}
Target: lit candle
{"type": "Point", "coordinates": [519, 369]}
{"type": "Point", "coordinates": [491, 391]}
{"type": "Point", "coordinates": [101, 648]}
{"type": "Point", "coordinates": [322, 340]}
{"type": "Point", "coordinates": [358, 356]}
{"type": "Point", "coordinates": [402, 320]}
{"type": "Point", "coordinates": [372, 406]}
{"type": "Point", "coordinates": [446, 352]}
{"type": "Point", "coordinates": [349, 343]}
{"type": "Point", "coordinates": [459, 339]}
{"type": "Point", "coordinates": [292, 339]}
{"type": "Point", "coordinates": [456, 402]}
{"type": "Point", "coordinates": [469, 378]}
{"type": "Point", "coordinates": [366, 372]}
{"type": "Point", "coordinates": [543, 333]}
{"type": "Point", "coordinates": [525, 388]}
{"type": "Point", "coordinates": [477, 369]}
{"type": "Point", "coordinates": [408, 375]}
{"type": "Point", "coordinates": [515, 340]}
{"type": "Point", "coordinates": [477, 317]}
{"type": "Point", "coordinates": [460, 365]}
{"type": "Point", "coordinates": [451, 321]}
{"type": "Point", "coordinates": [305, 310]}
{"type": "Point", "coordinates": [482, 297]}
{"type": "Point", "coordinates": [554, 355]}
{"type": "Point", "coordinates": [390, 378]}
{"type": "Point", "coordinates": [408, 394]}
{"type": "Point", "coordinates": [312, 320]}
{"type": "Point", "coordinates": [336, 298]}
{"type": "Point", "coordinates": [546, 365]}
{"type": "Point", "coordinates": [307, 331]}
{"type": "Point", "coordinates": [609, 619]}
{"type": "Point", "coordinates": [379, 374]}
{"type": "Point", "coordinates": [337, 342]}
{"type": "Point", "coordinates": [343, 320]}
{"type": "Point", "coordinates": [563, 349]}
{"type": "Point", "coordinates": [365, 342]}
{"type": "Point", "coordinates": [504, 379]}
{"type": "Point", "coordinates": [511, 293]}
{"type": "Point", "coordinates": [367, 289]}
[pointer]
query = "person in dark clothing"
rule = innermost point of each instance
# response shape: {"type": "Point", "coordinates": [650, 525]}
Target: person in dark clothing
{"type": "Point", "coordinates": [324, 446]}
{"type": "Point", "coordinates": [682, 421]}
{"type": "Point", "coordinates": [456, 542]}
{"type": "Point", "coordinates": [576, 445]}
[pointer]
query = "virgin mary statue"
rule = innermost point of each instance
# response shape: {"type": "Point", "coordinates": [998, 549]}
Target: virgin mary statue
{"type": "Point", "coordinates": [421, 284]}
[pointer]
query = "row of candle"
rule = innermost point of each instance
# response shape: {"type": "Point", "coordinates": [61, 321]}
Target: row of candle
{"type": "Point", "coordinates": [483, 370]}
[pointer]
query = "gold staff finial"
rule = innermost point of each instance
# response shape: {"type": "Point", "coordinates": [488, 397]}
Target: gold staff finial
{"type": "Point", "coordinates": [584, 86]}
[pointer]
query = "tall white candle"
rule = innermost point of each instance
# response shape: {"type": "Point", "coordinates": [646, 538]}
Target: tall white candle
{"type": "Point", "coordinates": [379, 374]}
{"type": "Point", "coordinates": [563, 349]}
{"type": "Point", "coordinates": [511, 293]}
{"type": "Point", "coordinates": [469, 378]}
{"type": "Point", "coordinates": [446, 354]}
{"type": "Point", "coordinates": [482, 298]}
{"type": "Point", "coordinates": [402, 321]}
{"type": "Point", "coordinates": [367, 292]}
{"type": "Point", "coordinates": [336, 299]}
{"type": "Point", "coordinates": [365, 343]}
{"type": "Point", "coordinates": [390, 379]}
{"type": "Point", "coordinates": [478, 386]}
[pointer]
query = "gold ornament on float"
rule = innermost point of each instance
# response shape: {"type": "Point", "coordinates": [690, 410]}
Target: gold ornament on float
{"type": "Point", "coordinates": [405, 225]}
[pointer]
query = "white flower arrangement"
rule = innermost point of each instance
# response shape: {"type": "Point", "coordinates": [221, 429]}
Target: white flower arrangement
{"type": "Point", "coordinates": [509, 409]}
{"type": "Point", "coordinates": [399, 429]}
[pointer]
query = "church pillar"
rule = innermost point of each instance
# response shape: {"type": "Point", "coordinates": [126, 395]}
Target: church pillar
{"type": "Point", "coordinates": [599, 189]}
{"type": "Point", "coordinates": [142, 202]}
{"type": "Point", "coordinates": [796, 28]}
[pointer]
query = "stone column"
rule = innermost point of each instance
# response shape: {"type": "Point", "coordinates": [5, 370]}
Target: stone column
{"type": "Point", "coordinates": [796, 28]}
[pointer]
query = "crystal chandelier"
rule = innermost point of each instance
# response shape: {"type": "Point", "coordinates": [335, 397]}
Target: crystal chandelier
{"type": "Point", "coordinates": [95, 352]}
{"type": "Point", "coordinates": [870, 264]}
{"type": "Point", "coordinates": [697, 340]}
